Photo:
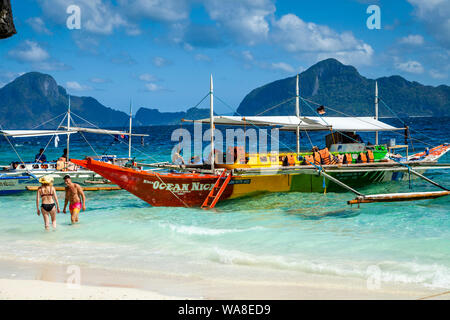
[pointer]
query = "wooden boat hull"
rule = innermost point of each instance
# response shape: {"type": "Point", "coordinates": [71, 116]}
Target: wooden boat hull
{"type": "Point", "coordinates": [191, 189]}
{"type": "Point", "coordinates": [168, 190]}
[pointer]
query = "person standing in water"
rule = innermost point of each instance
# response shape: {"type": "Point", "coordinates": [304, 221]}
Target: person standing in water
{"type": "Point", "coordinates": [50, 204]}
{"type": "Point", "coordinates": [73, 194]}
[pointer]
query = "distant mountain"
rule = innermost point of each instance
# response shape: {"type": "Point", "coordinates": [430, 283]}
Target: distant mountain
{"type": "Point", "coordinates": [341, 87]}
{"type": "Point", "coordinates": [148, 117]}
{"type": "Point", "coordinates": [34, 98]}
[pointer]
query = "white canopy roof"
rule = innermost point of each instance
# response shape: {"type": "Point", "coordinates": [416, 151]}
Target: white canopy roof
{"type": "Point", "coordinates": [307, 123]}
{"type": "Point", "coordinates": [350, 124]}
{"type": "Point", "coordinates": [104, 131]}
{"type": "Point", "coordinates": [304, 123]}
{"type": "Point", "coordinates": [33, 133]}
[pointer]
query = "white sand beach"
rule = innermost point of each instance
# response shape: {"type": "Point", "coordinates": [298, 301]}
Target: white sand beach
{"type": "Point", "coordinates": [40, 281]}
{"type": "Point", "coordinates": [45, 290]}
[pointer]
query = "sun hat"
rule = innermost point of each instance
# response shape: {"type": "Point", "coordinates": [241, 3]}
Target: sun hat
{"type": "Point", "coordinates": [46, 180]}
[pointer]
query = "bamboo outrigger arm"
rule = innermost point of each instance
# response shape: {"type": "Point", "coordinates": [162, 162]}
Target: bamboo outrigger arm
{"type": "Point", "coordinates": [392, 197]}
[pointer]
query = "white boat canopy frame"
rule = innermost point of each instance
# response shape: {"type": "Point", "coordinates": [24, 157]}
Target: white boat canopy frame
{"type": "Point", "coordinates": [104, 131]}
{"type": "Point", "coordinates": [33, 133]}
{"type": "Point", "coordinates": [290, 123]}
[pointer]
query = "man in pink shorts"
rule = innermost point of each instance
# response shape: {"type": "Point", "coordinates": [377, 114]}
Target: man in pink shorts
{"type": "Point", "coordinates": [73, 194]}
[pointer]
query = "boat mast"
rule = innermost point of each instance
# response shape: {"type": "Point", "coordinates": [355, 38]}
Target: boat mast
{"type": "Point", "coordinates": [68, 129]}
{"type": "Point", "coordinates": [211, 115]}
{"type": "Point", "coordinates": [297, 112]}
{"type": "Point", "coordinates": [129, 133]}
{"type": "Point", "coordinates": [376, 110]}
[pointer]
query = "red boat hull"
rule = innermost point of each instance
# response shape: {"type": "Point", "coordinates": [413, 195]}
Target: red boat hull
{"type": "Point", "coordinates": [167, 190]}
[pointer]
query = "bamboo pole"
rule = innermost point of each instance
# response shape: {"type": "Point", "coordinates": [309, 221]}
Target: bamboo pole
{"type": "Point", "coordinates": [393, 197]}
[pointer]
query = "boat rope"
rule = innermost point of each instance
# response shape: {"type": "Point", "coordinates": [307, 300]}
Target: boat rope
{"type": "Point", "coordinates": [147, 155]}
{"type": "Point", "coordinates": [18, 156]}
{"type": "Point", "coordinates": [254, 125]}
{"type": "Point", "coordinates": [113, 141]}
{"type": "Point", "coordinates": [386, 105]}
{"type": "Point", "coordinates": [276, 106]}
{"type": "Point", "coordinates": [331, 129]}
{"type": "Point", "coordinates": [82, 134]}
{"type": "Point", "coordinates": [51, 138]}
{"type": "Point", "coordinates": [392, 131]}
{"type": "Point", "coordinates": [39, 125]}
{"type": "Point", "coordinates": [207, 95]}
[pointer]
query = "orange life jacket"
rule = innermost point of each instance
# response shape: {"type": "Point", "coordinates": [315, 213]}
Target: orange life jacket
{"type": "Point", "coordinates": [370, 156]}
{"type": "Point", "coordinates": [316, 156]}
{"type": "Point", "coordinates": [325, 155]}
{"type": "Point", "coordinates": [308, 160]}
{"type": "Point", "coordinates": [348, 158]}
{"type": "Point", "coordinates": [334, 159]}
{"type": "Point", "coordinates": [291, 160]}
{"type": "Point", "coordinates": [362, 157]}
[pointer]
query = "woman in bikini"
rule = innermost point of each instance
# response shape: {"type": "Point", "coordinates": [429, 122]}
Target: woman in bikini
{"type": "Point", "coordinates": [50, 204]}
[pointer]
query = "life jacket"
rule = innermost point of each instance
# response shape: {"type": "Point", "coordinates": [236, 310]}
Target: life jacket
{"type": "Point", "coordinates": [308, 160]}
{"type": "Point", "coordinates": [334, 159]}
{"type": "Point", "coordinates": [316, 156]}
{"type": "Point", "coordinates": [348, 158]}
{"type": "Point", "coordinates": [340, 158]}
{"type": "Point", "coordinates": [325, 156]}
{"type": "Point", "coordinates": [362, 158]}
{"type": "Point", "coordinates": [291, 160]}
{"type": "Point", "coordinates": [370, 156]}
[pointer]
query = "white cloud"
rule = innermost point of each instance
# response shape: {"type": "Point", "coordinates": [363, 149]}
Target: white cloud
{"type": "Point", "coordinates": [51, 65]}
{"type": "Point", "coordinates": [246, 20]}
{"type": "Point", "coordinates": [298, 36]}
{"type": "Point", "coordinates": [159, 10]}
{"type": "Point", "coordinates": [147, 77]}
{"type": "Point", "coordinates": [412, 39]}
{"type": "Point", "coordinates": [38, 25]}
{"type": "Point", "coordinates": [123, 58]}
{"type": "Point", "coordinates": [86, 43]}
{"type": "Point", "coordinates": [97, 16]}
{"type": "Point", "coordinates": [282, 66]}
{"type": "Point", "coordinates": [410, 66]}
{"type": "Point", "coordinates": [74, 85]}
{"type": "Point", "coordinates": [436, 16]}
{"type": "Point", "coordinates": [247, 55]}
{"type": "Point", "coordinates": [161, 62]}
{"type": "Point", "coordinates": [202, 57]}
{"type": "Point", "coordinates": [29, 51]}
{"type": "Point", "coordinates": [99, 80]}
{"type": "Point", "coordinates": [152, 87]}
{"type": "Point", "coordinates": [438, 75]}
{"type": "Point", "coordinates": [188, 47]}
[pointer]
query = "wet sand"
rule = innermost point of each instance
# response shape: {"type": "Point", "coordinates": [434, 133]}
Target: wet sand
{"type": "Point", "coordinates": [24, 280]}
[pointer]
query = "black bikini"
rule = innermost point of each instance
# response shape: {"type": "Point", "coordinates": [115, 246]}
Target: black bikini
{"type": "Point", "coordinates": [47, 206]}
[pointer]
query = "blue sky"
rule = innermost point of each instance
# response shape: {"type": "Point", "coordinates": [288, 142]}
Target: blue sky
{"type": "Point", "coordinates": [160, 53]}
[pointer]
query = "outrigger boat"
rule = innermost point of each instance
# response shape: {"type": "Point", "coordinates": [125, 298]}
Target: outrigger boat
{"type": "Point", "coordinates": [21, 176]}
{"type": "Point", "coordinates": [344, 165]}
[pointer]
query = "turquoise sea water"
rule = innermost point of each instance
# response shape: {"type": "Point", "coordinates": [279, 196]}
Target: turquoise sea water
{"type": "Point", "coordinates": [409, 242]}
